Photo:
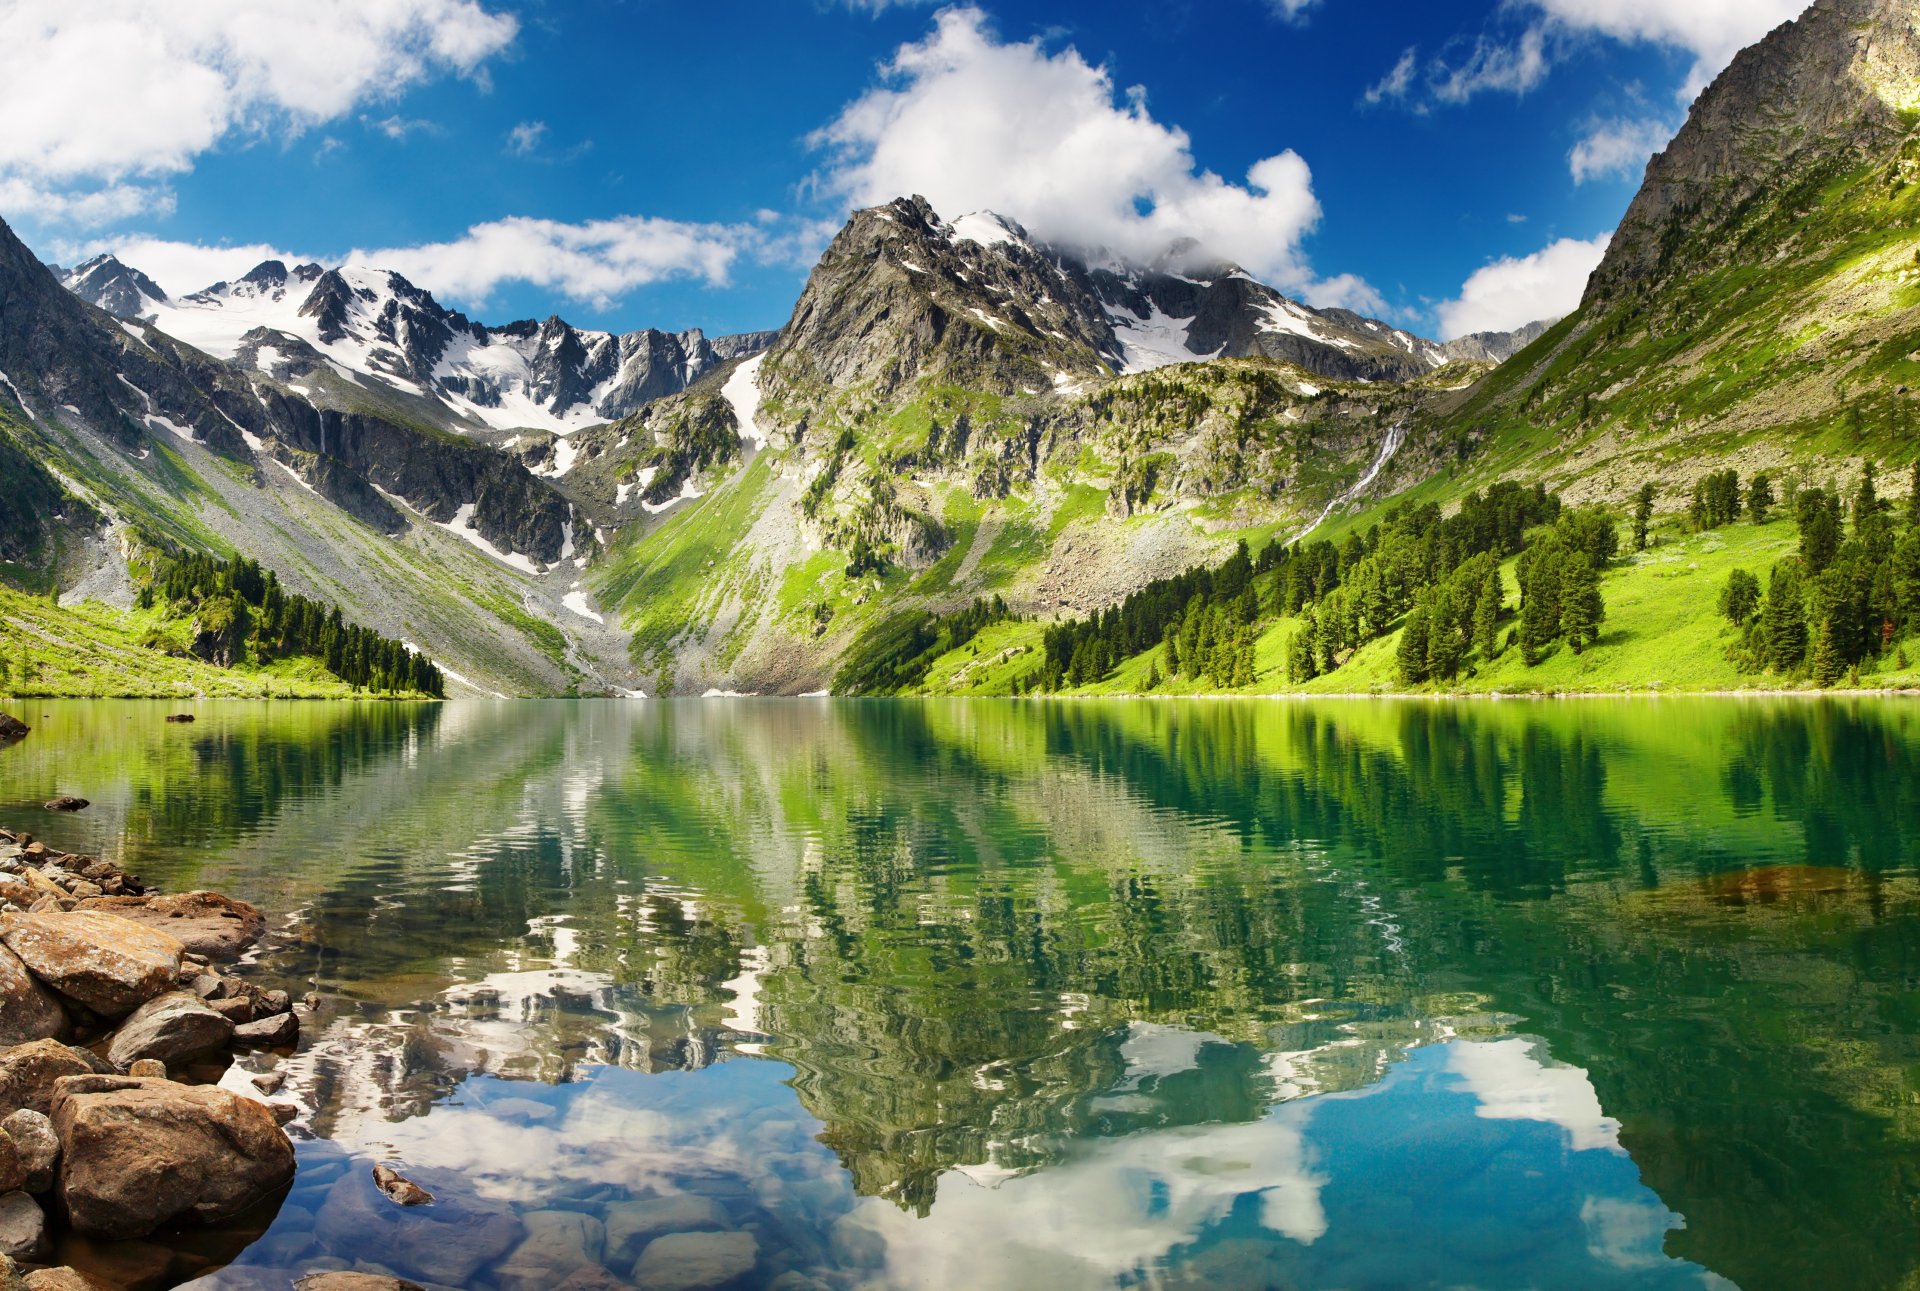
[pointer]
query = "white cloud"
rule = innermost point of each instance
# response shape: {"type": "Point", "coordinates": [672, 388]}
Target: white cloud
{"type": "Point", "coordinates": [1395, 84]}
{"type": "Point", "coordinates": [1512, 292]}
{"type": "Point", "coordinates": [1515, 68]}
{"type": "Point", "coordinates": [595, 262]}
{"type": "Point", "coordinates": [1618, 149]}
{"type": "Point", "coordinates": [1290, 10]}
{"type": "Point", "coordinates": [178, 267]}
{"type": "Point", "coordinates": [525, 137]}
{"type": "Point", "coordinates": [1713, 31]}
{"type": "Point", "coordinates": [125, 92]}
{"type": "Point", "coordinates": [971, 122]}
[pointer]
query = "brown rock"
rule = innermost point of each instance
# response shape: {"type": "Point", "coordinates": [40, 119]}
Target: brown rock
{"type": "Point", "coordinates": [179, 717]}
{"type": "Point", "coordinates": [148, 1069]}
{"type": "Point", "coordinates": [400, 1190]}
{"type": "Point", "coordinates": [107, 963]}
{"type": "Point", "coordinates": [279, 1032]}
{"type": "Point", "coordinates": [28, 1073]}
{"type": "Point", "coordinates": [137, 1153]}
{"type": "Point", "coordinates": [174, 1028]}
{"type": "Point", "coordinates": [64, 803]}
{"type": "Point", "coordinates": [36, 1145]}
{"type": "Point", "coordinates": [268, 1003]}
{"type": "Point", "coordinates": [206, 923]}
{"type": "Point", "coordinates": [237, 1010]}
{"type": "Point", "coordinates": [17, 890]}
{"type": "Point", "coordinates": [269, 1082]}
{"type": "Point", "coordinates": [12, 728]}
{"type": "Point", "coordinates": [28, 1010]}
{"type": "Point", "coordinates": [354, 1282]}
{"type": "Point", "coordinates": [62, 1279]}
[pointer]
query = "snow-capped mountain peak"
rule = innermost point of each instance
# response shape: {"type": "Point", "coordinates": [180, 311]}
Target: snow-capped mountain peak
{"type": "Point", "coordinates": [374, 327]}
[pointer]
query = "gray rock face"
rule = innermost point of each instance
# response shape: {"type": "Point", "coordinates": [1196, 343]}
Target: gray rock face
{"type": "Point", "coordinates": [23, 1228]}
{"type": "Point", "coordinates": [119, 289]}
{"type": "Point", "coordinates": [1495, 347]}
{"type": "Point", "coordinates": [1829, 85]}
{"type": "Point", "coordinates": [685, 1261]}
{"type": "Point", "coordinates": [137, 1153]}
{"type": "Point", "coordinates": [36, 1146]}
{"type": "Point", "coordinates": [175, 1029]}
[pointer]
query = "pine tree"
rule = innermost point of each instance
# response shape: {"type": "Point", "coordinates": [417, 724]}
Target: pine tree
{"type": "Point", "coordinates": [1828, 667]}
{"type": "Point", "coordinates": [1581, 608]}
{"type": "Point", "coordinates": [1486, 615]}
{"type": "Point", "coordinates": [1414, 644]}
{"type": "Point", "coordinates": [1642, 516]}
{"type": "Point", "coordinates": [1759, 498]}
{"type": "Point", "coordinates": [1740, 597]}
{"type": "Point", "coordinates": [1783, 623]}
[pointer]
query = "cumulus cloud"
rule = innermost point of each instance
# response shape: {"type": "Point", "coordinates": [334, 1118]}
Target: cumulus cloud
{"type": "Point", "coordinates": [124, 93]}
{"type": "Point", "coordinates": [1617, 149]}
{"type": "Point", "coordinates": [1514, 291]}
{"type": "Point", "coordinates": [1713, 31]}
{"type": "Point", "coordinates": [972, 122]}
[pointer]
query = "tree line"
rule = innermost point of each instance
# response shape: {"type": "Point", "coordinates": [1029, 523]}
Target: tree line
{"type": "Point", "coordinates": [240, 612]}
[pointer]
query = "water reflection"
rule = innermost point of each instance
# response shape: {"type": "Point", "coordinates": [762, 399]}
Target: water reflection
{"type": "Point", "coordinates": [1232, 994]}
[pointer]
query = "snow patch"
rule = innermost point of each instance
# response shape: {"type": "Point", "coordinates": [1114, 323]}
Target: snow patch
{"type": "Point", "coordinates": [742, 393]}
{"type": "Point", "coordinates": [578, 603]}
{"type": "Point", "coordinates": [461, 526]}
{"type": "Point", "coordinates": [986, 229]}
{"type": "Point", "coordinates": [1155, 340]}
{"type": "Point", "coordinates": [18, 399]}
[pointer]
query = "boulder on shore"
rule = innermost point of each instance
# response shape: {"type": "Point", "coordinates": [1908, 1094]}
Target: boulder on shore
{"type": "Point", "coordinates": [136, 1153]}
{"type": "Point", "coordinates": [23, 1228]}
{"type": "Point", "coordinates": [174, 1028]}
{"type": "Point", "coordinates": [206, 923]}
{"type": "Point", "coordinates": [28, 1010]}
{"type": "Point", "coordinates": [61, 1279]}
{"type": "Point", "coordinates": [28, 1073]}
{"type": "Point", "coordinates": [110, 964]}
{"type": "Point", "coordinates": [37, 1146]}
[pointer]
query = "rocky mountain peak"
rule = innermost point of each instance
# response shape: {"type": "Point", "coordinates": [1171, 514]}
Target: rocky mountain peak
{"type": "Point", "coordinates": [1836, 85]}
{"type": "Point", "coordinates": [118, 288]}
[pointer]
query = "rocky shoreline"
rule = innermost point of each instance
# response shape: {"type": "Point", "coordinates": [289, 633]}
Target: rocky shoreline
{"type": "Point", "coordinates": [115, 1022]}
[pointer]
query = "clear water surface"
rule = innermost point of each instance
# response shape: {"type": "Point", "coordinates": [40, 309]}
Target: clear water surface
{"type": "Point", "coordinates": [1004, 994]}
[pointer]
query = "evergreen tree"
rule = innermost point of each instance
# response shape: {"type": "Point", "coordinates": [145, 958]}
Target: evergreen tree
{"type": "Point", "coordinates": [1642, 516]}
{"type": "Point", "coordinates": [1759, 498]}
{"type": "Point", "coordinates": [1818, 513]}
{"type": "Point", "coordinates": [1740, 597]}
{"type": "Point", "coordinates": [1828, 667]}
{"type": "Point", "coordinates": [1783, 623]}
{"type": "Point", "coordinates": [1581, 607]}
{"type": "Point", "coordinates": [1486, 615]}
{"type": "Point", "coordinates": [1412, 655]}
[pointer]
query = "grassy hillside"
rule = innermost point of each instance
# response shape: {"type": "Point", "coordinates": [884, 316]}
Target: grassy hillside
{"type": "Point", "coordinates": [93, 651]}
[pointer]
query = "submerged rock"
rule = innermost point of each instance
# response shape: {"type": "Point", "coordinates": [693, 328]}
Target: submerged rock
{"type": "Point", "coordinates": [179, 717]}
{"type": "Point", "coordinates": [354, 1282]}
{"type": "Point", "coordinates": [559, 1243]}
{"type": "Point", "coordinates": [400, 1190]}
{"type": "Point", "coordinates": [109, 964]}
{"type": "Point", "coordinates": [206, 923]}
{"type": "Point", "coordinates": [632, 1224]}
{"type": "Point", "coordinates": [446, 1243]}
{"type": "Point", "coordinates": [28, 1073]}
{"type": "Point", "coordinates": [28, 1010]}
{"type": "Point", "coordinates": [686, 1261]}
{"type": "Point", "coordinates": [12, 728]}
{"type": "Point", "coordinates": [64, 803]}
{"type": "Point", "coordinates": [137, 1153]}
{"type": "Point", "coordinates": [174, 1028]}
{"type": "Point", "coordinates": [23, 1228]}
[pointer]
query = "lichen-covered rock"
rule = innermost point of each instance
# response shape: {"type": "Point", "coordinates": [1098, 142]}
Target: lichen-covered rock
{"type": "Point", "coordinates": [28, 1073]}
{"type": "Point", "coordinates": [37, 1146]}
{"type": "Point", "coordinates": [28, 1010]}
{"type": "Point", "coordinates": [174, 1028]}
{"type": "Point", "coordinates": [150, 1068]}
{"type": "Point", "coordinates": [62, 1279]}
{"type": "Point", "coordinates": [138, 1153]}
{"type": "Point", "coordinates": [109, 964]}
{"type": "Point", "coordinates": [206, 923]}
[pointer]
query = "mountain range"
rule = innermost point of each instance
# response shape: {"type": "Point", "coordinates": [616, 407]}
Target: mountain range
{"type": "Point", "coordinates": [955, 410]}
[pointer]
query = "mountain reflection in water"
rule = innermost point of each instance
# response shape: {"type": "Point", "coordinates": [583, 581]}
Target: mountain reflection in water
{"type": "Point", "coordinates": [1063, 995]}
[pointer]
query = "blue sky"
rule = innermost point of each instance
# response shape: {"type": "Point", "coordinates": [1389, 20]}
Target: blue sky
{"type": "Point", "coordinates": [631, 163]}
